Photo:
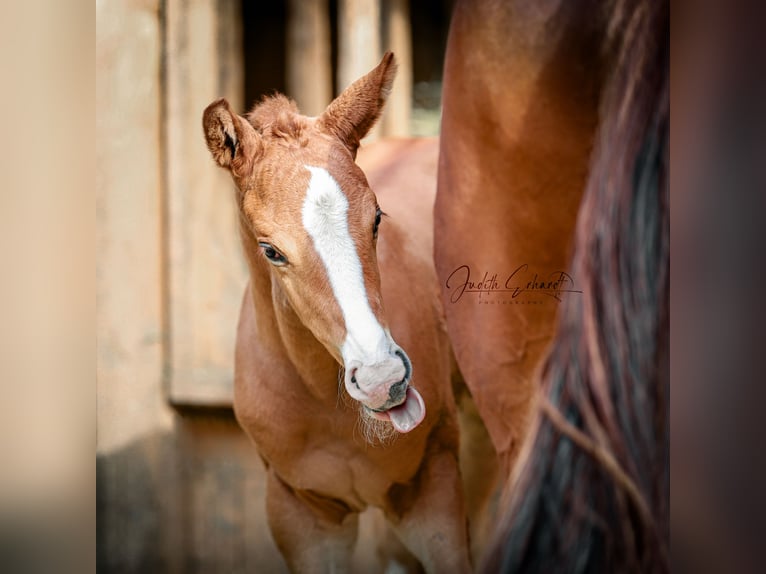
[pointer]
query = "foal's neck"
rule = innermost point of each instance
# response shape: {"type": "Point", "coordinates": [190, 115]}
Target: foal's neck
{"type": "Point", "coordinates": [280, 329]}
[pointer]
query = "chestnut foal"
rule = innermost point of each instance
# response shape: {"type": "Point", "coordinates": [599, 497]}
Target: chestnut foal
{"type": "Point", "coordinates": [321, 386]}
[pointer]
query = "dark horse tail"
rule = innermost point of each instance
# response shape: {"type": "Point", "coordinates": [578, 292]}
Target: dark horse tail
{"type": "Point", "coordinates": [591, 491]}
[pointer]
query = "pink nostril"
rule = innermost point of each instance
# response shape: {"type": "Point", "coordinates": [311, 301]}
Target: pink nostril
{"type": "Point", "coordinates": [353, 377]}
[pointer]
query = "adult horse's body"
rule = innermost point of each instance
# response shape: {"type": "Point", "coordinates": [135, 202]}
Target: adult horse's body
{"type": "Point", "coordinates": [529, 87]}
{"type": "Point", "coordinates": [592, 488]}
{"type": "Point", "coordinates": [521, 87]}
{"type": "Point", "coordinates": [322, 369]}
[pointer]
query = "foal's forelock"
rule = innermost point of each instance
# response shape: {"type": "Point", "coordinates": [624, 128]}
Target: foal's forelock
{"type": "Point", "coordinates": [325, 217]}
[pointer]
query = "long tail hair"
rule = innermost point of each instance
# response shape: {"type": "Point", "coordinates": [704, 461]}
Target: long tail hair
{"type": "Point", "coordinates": [591, 490]}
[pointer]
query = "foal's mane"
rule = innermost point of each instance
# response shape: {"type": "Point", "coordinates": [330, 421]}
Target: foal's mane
{"type": "Point", "coordinates": [278, 116]}
{"type": "Point", "coordinates": [591, 493]}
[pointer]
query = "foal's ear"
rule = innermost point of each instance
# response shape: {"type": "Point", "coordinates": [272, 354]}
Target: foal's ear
{"type": "Point", "coordinates": [230, 137]}
{"type": "Point", "coordinates": [353, 113]}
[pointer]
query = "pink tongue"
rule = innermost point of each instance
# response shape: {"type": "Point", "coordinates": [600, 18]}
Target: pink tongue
{"type": "Point", "coordinates": [410, 413]}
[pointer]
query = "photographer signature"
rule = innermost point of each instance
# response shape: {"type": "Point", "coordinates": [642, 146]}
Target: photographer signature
{"type": "Point", "coordinates": [517, 283]}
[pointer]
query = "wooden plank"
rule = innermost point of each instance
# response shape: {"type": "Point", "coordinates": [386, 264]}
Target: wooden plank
{"type": "Point", "coordinates": [359, 46]}
{"type": "Point", "coordinates": [398, 39]}
{"type": "Point", "coordinates": [129, 224]}
{"type": "Point", "coordinates": [206, 272]}
{"type": "Point", "coordinates": [135, 506]}
{"type": "Point", "coordinates": [309, 70]}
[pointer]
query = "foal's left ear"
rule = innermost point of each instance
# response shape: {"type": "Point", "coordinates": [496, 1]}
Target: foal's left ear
{"type": "Point", "coordinates": [353, 113]}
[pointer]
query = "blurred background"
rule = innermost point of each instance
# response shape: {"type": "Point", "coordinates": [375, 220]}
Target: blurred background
{"type": "Point", "coordinates": [179, 486]}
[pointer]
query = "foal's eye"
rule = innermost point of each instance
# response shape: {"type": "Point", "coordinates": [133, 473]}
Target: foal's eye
{"type": "Point", "coordinates": [378, 215]}
{"type": "Point", "coordinates": [272, 254]}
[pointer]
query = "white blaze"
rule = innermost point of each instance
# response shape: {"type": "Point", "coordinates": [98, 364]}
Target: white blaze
{"type": "Point", "coordinates": [325, 217]}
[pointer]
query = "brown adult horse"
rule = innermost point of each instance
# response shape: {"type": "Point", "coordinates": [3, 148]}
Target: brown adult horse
{"type": "Point", "coordinates": [319, 376]}
{"type": "Point", "coordinates": [521, 88]}
{"type": "Point", "coordinates": [591, 489]}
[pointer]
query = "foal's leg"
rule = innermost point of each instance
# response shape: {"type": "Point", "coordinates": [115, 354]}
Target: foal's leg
{"type": "Point", "coordinates": [429, 516]}
{"type": "Point", "coordinates": [378, 548]}
{"type": "Point", "coordinates": [315, 535]}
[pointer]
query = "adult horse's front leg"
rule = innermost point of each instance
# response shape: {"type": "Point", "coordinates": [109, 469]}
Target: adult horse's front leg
{"type": "Point", "coordinates": [314, 534]}
{"type": "Point", "coordinates": [430, 518]}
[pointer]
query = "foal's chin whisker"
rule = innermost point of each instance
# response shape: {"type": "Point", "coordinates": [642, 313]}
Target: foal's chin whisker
{"type": "Point", "coordinates": [375, 432]}
{"type": "Point", "coordinates": [372, 431]}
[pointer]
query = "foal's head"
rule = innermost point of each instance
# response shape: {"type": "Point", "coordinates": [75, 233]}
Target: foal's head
{"type": "Point", "coordinates": [314, 218]}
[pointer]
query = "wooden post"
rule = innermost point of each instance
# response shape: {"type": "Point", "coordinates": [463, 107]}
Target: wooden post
{"type": "Point", "coordinates": [136, 507]}
{"type": "Point", "coordinates": [359, 47]}
{"type": "Point", "coordinates": [206, 273]}
{"type": "Point", "coordinates": [309, 72]}
{"type": "Point", "coordinates": [398, 39]}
